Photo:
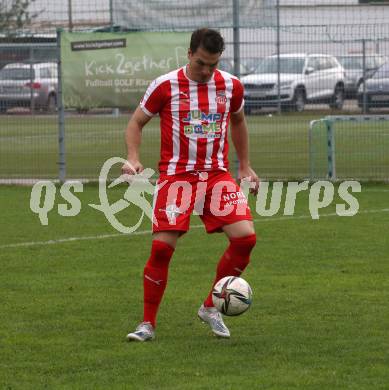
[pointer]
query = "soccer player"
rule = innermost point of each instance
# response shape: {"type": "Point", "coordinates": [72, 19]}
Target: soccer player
{"type": "Point", "coordinates": [195, 103]}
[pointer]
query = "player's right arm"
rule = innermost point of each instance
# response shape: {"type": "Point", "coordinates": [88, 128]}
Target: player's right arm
{"type": "Point", "coordinates": [152, 103]}
{"type": "Point", "coordinates": [133, 141]}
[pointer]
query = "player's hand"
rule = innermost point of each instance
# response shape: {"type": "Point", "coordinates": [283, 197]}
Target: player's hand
{"type": "Point", "coordinates": [132, 167]}
{"type": "Point", "coordinates": [249, 175]}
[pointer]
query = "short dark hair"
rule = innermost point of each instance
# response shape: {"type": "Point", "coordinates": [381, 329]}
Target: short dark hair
{"type": "Point", "coordinates": [208, 39]}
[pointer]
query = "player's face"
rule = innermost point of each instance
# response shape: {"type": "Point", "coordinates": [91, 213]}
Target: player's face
{"type": "Point", "coordinates": [202, 64]}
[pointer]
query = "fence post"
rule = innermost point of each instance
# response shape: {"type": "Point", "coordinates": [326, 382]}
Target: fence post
{"type": "Point", "coordinates": [32, 77]}
{"type": "Point", "coordinates": [236, 40]}
{"type": "Point", "coordinates": [111, 14]}
{"type": "Point", "coordinates": [311, 151]}
{"type": "Point", "coordinates": [61, 116]}
{"type": "Point", "coordinates": [70, 15]}
{"type": "Point", "coordinates": [278, 60]}
{"type": "Point", "coordinates": [365, 108]}
{"type": "Point", "coordinates": [331, 150]}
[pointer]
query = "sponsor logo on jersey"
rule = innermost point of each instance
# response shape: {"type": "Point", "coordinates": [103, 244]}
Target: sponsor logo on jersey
{"type": "Point", "coordinates": [201, 125]}
{"type": "Point", "coordinates": [221, 97]}
{"type": "Point", "coordinates": [234, 198]}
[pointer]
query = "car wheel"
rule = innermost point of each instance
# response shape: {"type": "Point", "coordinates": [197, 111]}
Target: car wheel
{"type": "Point", "coordinates": [51, 103]}
{"type": "Point", "coordinates": [337, 100]}
{"type": "Point", "coordinates": [298, 103]}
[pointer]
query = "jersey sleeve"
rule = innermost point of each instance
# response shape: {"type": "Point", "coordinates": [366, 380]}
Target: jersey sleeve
{"type": "Point", "coordinates": [237, 100]}
{"type": "Point", "coordinates": [154, 98]}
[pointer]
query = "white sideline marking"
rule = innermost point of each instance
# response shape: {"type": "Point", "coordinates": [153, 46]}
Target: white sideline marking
{"type": "Point", "coordinates": [373, 190]}
{"type": "Point", "coordinates": [143, 232]}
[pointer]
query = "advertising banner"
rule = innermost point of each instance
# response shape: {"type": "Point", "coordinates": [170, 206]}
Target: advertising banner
{"type": "Point", "coordinates": [114, 69]}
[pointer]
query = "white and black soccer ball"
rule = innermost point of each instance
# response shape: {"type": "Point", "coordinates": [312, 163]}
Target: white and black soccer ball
{"type": "Point", "coordinates": [232, 295]}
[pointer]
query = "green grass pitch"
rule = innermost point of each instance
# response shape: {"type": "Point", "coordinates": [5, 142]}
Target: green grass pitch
{"type": "Point", "coordinates": [319, 319]}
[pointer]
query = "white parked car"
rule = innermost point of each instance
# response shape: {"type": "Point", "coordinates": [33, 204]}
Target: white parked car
{"type": "Point", "coordinates": [28, 85]}
{"type": "Point", "coordinates": [304, 78]}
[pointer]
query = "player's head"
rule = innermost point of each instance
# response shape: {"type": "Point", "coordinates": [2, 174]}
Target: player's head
{"type": "Point", "coordinates": [208, 39]}
{"type": "Point", "coordinates": [206, 47]}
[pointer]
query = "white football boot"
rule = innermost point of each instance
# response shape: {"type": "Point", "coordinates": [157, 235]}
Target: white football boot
{"type": "Point", "coordinates": [214, 319]}
{"type": "Point", "coordinates": [143, 332]}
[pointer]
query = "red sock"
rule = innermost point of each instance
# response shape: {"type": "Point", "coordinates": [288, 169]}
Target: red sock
{"type": "Point", "coordinates": [155, 276]}
{"type": "Point", "coordinates": [234, 261]}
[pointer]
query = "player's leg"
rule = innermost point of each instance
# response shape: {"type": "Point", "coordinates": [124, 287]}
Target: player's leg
{"type": "Point", "coordinates": [242, 239]}
{"type": "Point", "coordinates": [155, 273]}
{"type": "Point", "coordinates": [233, 262]}
{"type": "Point", "coordinates": [155, 276]}
{"type": "Point", "coordinates": [239, 229]}
{"type": "Point", "coordinates": [237, 224]}
{"type": "Point", "coordinates": [236, 258]}
{"type": "Point", "coordinates": [169, 224]}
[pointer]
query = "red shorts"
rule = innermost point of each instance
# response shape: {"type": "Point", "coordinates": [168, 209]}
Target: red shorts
{"type": "Point", "coordinates": [213, 195]}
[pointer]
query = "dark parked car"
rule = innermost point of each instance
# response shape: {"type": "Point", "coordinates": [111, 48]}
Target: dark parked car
{"type": "Point", "coordinates": [377, 89]}
{"type": "Point", "coordinates": [353, 66]}
{"type": "Point", "coordinates": [227, 64]}
{"type": "Point", "coordinates": [29, 85]}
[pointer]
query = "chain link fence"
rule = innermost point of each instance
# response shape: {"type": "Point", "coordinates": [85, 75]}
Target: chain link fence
{"type": "Point", "coordinates": [298, 60]}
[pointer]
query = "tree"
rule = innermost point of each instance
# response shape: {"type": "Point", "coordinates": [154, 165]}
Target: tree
{"type": "Point", "coordinates": [14, 15]}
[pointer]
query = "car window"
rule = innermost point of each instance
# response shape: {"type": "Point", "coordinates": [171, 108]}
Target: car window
{"type": "Point", "coordinates": [356, 62]}
{"type": "Point", "coordinates": [382, 72]}
{"type": "Point", "coordinates": [324, 63]}
{"type": "Point", "coordinates": [351, 62]}
{"type": "Point", "coordinates": [379, 61]}
{"type": "Point", "coordinates": [371, 63]}
{"type": "Point", "coordinates": [313, 62]}
{"type": "Point", "coordinates": [53, 71]}
{"type": "Point", "coordinates": [250, 63]}
{"type": "Point", "coordinates": [17, 74]}
{"type": "Point", "coordinates": [287, 65]}
{"type": "Point", "coordinates": [44, 73]}
{"type": "Point", "coordinates": [227, 65]}
{"type": "Point", "coordinates": [333, 63]}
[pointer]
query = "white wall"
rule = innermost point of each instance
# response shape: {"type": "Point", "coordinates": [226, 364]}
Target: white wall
{"type": "Point", "coordinates": [57, 10]}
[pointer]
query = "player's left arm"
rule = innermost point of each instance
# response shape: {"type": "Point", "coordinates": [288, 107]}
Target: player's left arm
{"type": "Point", "coordinates": [240, 139]}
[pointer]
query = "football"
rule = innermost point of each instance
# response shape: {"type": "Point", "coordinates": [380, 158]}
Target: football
{"type": "Point", "coordinates": [232, 296]}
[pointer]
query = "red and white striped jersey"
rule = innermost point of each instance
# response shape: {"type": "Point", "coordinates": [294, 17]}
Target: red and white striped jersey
{"type": "Point", "coordinates": [194, 119]}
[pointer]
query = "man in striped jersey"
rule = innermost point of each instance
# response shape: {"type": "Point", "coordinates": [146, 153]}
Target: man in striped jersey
{"type": "Point", "coordinates": [195, 103]}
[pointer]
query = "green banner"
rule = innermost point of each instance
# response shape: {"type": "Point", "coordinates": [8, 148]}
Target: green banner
{"type": "Point", "coordinates": [114, 69]}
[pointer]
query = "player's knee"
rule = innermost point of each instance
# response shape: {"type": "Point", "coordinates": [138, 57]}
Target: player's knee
{"type": "Point", "coordinates": [161, 253]}
{"type": "Point", "coordinates": [243, 245]}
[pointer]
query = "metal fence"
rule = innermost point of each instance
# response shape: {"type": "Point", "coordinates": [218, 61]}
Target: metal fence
{"type": "Point", "coordinates": [265, 44]}
{"type": "Point", "coordinates": [337, 144]}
